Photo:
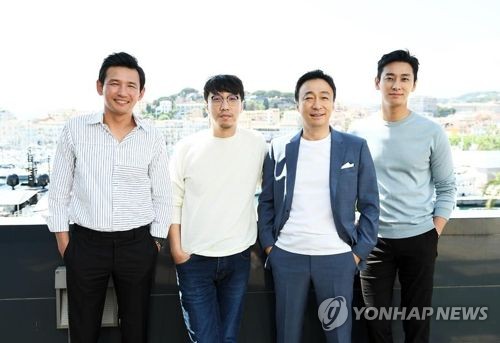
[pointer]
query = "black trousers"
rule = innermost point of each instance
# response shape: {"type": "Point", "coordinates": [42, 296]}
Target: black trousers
{"type": "Point", "coordinates": [91, 258]}
{"type": "Point", "coordinates": [413, 260]}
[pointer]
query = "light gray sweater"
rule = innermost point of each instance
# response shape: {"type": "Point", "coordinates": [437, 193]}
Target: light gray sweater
{"type": "Point", "coordinates": [414, 171]}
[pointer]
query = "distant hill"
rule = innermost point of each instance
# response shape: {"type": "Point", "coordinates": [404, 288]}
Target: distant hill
{"type": "Point", "coordinates": [480, 97]}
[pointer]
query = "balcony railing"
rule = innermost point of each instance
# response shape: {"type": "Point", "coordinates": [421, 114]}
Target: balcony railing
{"type": "Point", "coordinates": [467, 274]}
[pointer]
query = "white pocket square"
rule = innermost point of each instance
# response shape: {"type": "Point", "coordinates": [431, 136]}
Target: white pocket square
{"type": "Point", "coordinates": [347, 165]}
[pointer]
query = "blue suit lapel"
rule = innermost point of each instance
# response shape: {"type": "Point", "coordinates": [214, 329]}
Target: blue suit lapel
{"type": "Point", "coordinates": [291, 155]}
{"type": "Point", "coordinates": [337, 151]}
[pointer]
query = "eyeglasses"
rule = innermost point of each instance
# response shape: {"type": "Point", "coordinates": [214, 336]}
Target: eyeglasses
{"type": "Point", "coordinates": [218, 100]}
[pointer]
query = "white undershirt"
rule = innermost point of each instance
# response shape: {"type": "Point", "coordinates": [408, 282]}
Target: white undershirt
{"type": "Point", "coordinates": [310, 229]}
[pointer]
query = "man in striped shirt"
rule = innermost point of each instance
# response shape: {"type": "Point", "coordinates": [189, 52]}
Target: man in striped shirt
{"type": "Point", "coordinates": [111, 179]}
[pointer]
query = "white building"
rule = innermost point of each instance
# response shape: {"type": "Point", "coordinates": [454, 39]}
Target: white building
{"type": "Point", "coordinates": [425, 105]}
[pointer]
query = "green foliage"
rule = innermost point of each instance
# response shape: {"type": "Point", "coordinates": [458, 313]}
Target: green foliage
{"type": "Point", "coordinates": [479, 142]}
{"type": "Point", "coordinates": [272, 94]}
{"type": "Point", "coordinates": [266, 103]}
{"type": "Point", "coordinates": [253, 105]}
{"type": "Point", "coordinates": [492, 189]}
{"type": "Point", "coordinates": [444, 111]}
{"type": "Point", "coordinates": [187, 91]}
{"type": "Point", "coordinates": [454, 140]}
{"type": "Point", "coordinates": [259, 93]}
{"type": "Point", "coordinates": [165, 116]}
{"type": "Point", "coordinates": [495, 181]}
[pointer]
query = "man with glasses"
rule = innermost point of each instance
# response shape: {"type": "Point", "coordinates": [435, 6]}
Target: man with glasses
{"type": "Point", "coordinates": [214, 174]}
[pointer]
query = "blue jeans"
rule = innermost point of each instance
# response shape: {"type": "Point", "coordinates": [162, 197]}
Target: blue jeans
{"type": "Point", "coordinates": [212, 291]}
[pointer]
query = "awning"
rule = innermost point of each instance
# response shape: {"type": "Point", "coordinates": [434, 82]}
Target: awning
{"type": "Point", "coordinates": [14, 197]}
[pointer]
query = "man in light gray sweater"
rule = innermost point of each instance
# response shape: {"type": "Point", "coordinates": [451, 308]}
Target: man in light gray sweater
{"type": "Point", "coordinates": [416, 182]}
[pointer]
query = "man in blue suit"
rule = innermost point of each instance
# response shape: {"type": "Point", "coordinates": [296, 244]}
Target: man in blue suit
{"type": "Point", "coordinates": [313, 183]}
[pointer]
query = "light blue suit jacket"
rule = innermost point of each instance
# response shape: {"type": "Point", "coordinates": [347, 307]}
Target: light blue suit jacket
{"type": "Point", "coordinates": [353, 186]}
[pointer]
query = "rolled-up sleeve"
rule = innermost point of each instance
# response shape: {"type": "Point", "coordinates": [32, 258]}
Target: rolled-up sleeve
{"type": "Point", "coordinates": [161, 190]}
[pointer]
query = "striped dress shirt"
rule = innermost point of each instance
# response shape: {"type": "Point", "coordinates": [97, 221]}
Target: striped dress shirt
{"type": "Point", "coordinates": [107, 185]}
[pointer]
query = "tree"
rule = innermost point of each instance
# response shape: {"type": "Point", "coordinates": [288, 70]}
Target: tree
{"type": "Point", "coordinates": [273, 93]}
{"type": "Point", "coordinates": [259, 93]}
{"type": "Point", "coordinates": [165, 116]}
{"type": "Point", "coordinates": [489, 141]}
{"type": "Point", "coordinates": [445, 111]}
{"type": "Point", "coordinates": [12, 180]}
{"type": "Point", "coordinates": [187, 91]}
{"type": "Point", "coordinates": [266, 103]}
{"type": "Point", "coordinates": [252, 105]}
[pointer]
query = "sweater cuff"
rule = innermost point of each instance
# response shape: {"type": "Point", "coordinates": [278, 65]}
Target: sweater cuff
{"type": "Point", "coordinates": [442, 212]}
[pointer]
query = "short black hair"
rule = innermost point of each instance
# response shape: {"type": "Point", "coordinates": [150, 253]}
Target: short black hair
{"type": "Point", "coordinates": [312, 75]}
{"type": "Point", "coordinates": [398, 56]}
{"type": "Point", "coordinates": [224, 83]}
{"type": "Point", "coordinates": [122, 59]}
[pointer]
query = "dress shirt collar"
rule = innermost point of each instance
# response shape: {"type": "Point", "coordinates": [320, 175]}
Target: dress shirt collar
{"type": "Point", "coordinates": [98, 118]}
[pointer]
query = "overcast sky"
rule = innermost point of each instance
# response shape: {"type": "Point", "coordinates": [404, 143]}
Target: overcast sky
{"type": "Point", "coordinates": [51, 50]}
